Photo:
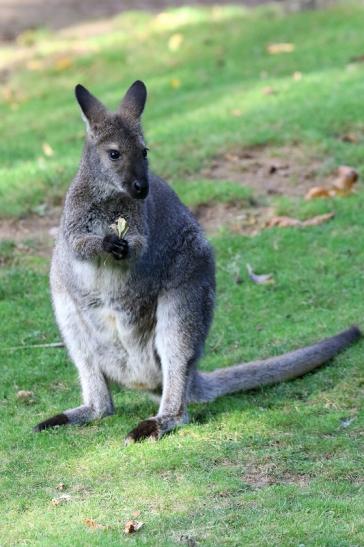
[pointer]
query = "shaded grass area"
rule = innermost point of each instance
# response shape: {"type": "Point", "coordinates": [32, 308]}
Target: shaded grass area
{"type": "Point", "coordinates": [277, 466]}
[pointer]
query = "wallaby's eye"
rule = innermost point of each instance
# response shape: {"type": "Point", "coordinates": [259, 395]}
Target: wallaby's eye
{"type": "Point", "coordinates": [145, 152]}
{"type": "Point", "coordinates": [114, 154]}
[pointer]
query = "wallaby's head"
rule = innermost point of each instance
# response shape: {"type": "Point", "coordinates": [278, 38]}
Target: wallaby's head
{"type": "Point", "coordinates": [115, 141]}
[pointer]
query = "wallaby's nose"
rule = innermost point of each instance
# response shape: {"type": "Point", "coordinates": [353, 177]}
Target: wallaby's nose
{"type": "Point", "coordinates": [140, 189]}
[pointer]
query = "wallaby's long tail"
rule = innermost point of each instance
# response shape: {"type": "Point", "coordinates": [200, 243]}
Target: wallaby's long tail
{"type": "Point", "coordinates": [206, 386]}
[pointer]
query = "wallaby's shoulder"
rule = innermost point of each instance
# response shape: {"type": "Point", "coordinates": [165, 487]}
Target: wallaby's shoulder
{"type": "Point", "coordinates": [164, 205]}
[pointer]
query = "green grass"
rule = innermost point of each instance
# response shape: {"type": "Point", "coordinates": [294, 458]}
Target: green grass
{"type": "Point", "coordinates": [272, 467]}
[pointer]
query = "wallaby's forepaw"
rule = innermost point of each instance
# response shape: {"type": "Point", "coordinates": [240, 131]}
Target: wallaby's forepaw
{"type": "Point", "coordinates": [147, 429]}
{"type": "Point", "coordinates": [119, 248]}
{"type": "Point", "coordinates": [55, 421]}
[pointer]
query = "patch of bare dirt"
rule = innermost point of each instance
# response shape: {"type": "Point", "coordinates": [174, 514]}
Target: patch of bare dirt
{"type": "Point", "coordinates": [288, 170]}
{"type": "Point", "coordinates": [235, 216]}
{"type": "Point", "coordinates": [269, 172]}
{"type": "Point", "coordinates": [266, 475]}
{"type": "Point", "coordinates": [34, 233]}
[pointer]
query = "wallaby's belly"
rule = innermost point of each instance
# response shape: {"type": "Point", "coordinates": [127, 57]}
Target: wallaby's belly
{"type": "Point", "coordinates": [100, 326]}
{"type": "Point", "coordinates": [137, 366]}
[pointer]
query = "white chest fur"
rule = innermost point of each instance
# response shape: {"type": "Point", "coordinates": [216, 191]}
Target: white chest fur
{"type": "Point", "coordinates": [120, 351]}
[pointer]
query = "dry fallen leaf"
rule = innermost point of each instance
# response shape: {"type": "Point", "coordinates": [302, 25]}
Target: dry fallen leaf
{"type": "Point", "coordinates": [91, 523]}
{"type": "Point", "coordinates": [175, 42]}
{"type": "Point", "coordinates": [282, 222]}
{"type": "Point", "coordinates": [263, 279]}
{"type": "Point", "coordinates": [342, 186]}
{"type": "Point", "coordinates": [297, 76]}
{"type": "Point", "coordinates": [35, 64]}
{"type": "Point", "coordinates": [286, 222]}
{"type": "Point", "coordinates": [23, 395]}
{"type": "Point", "coordinates": [64, 498]}
{"type": "Point", "coordinates": [175, 83]}
{"type": "Point", "coordinates": [47, 149]}
{"type": "Point", "coordinates": [63, 63]}
{"type": "Point", "coordinates": [319, 219]}
{"type": "Point", "coordinates": [60, 486]}
{"type": "Point", "coordinates": [318, 192]}
{"type": "Point", "coordinates": [357, 59]}
{"type": "Point", "coordinates": [350, 137]}
{"type": "Point", "coordinates": [136, 513]}
{"type": "Point", "coordinates": [274, 49]}
{"type": "Point", "coordinates": [132, 526]}
{"type": "Point", "coordinates": [268, 90]}
{"type": "Point", "coordinates": [347, 177]}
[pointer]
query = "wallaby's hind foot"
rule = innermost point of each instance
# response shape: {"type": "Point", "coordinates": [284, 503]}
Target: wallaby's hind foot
{"type": "Point", "coordinates": [74, 416]}
{"type": "Point", "coordinates": [154, 428]}
{"type": "Point", "coordinates": [55, 421]}
{"type": "Point", "coordinates": [147, 429]}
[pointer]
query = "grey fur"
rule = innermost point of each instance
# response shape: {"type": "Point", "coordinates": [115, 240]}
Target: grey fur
{"type": "Point", "coordinates": [137, 311]}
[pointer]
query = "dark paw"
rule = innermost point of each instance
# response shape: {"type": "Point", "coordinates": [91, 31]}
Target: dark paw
{"type": "Point", "coordinates": [55, 421]}
{"type": "Point", "coordinates": [116, 246]}
{"type": "Point", "coordinates": [147, 429]}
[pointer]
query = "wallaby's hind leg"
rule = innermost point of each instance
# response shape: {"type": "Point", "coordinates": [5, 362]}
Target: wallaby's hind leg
{"type": "Point", "coordinates": [86, 354]}
{"type": "Point", "coordinates": [180, 334]}
{"type": "Point", "coordinates": [97, 399]}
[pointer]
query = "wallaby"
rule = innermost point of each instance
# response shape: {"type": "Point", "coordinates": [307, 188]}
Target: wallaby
{"type": "Point", "coordinates": [137, 310]}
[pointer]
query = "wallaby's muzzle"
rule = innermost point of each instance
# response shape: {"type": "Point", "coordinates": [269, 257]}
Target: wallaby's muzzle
{"type": "Point", "coordinates": [140, 189]}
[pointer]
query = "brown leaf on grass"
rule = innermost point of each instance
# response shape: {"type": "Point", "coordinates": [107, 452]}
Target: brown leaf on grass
{"type": "Point", "coordinates": [175, 83]}
{"type": "Point", "coordinates": [284, 47]}
{"type": "Point", "coordinates": [262, 279]}
{"type": "Point", "coordinates": [175, 41]}
{"type": "Point", "coordinates": [8, 94]}
{"type": "Point", "coordinates": [297, 76]}
{"type": "Point", "coordinates": [350, 137]}
{"type": "Point", "coordinates": [24, 395]}
{"type": "Point", "coordinates": [60, 486]}
{"type": "Point", "coordinates": [282, 222]}
{"type": "Point", "coordinates": [64, 498]}
{"type": "Point", "coordinates": [91, 523]}
{"type": "Point", "coordinates": [287, 222]}
{"type": "Point", "coordinates": [136, 513]}
{"type": "Point", "coordinates": [357, 59]}
{"type": "Point", "coordinates": [132, 526]}
{"type": "Point", "coordinates": [347, 177]}
{"type": "Point", "coordinates": [63, 63]}
{"type": "Point", "coordinates": [268, 90]}
{"type": "Point", "coordinates": [319, 219]}
{"type": "Point", "coordinates": [343, 185]}
{"type": "Point", "coordinates": [35, 64]}
{"type": "Point", "coordinates": [47, 149]}
{"type": "Point", "coordinates": [318, 192]}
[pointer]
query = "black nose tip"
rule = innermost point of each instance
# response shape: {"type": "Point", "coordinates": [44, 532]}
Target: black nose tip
{"type": "Point", "coordinates": [140, 189]}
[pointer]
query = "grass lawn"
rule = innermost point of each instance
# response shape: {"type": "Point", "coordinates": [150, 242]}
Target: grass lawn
{"type": "Point", "coordinates": [277, 466]}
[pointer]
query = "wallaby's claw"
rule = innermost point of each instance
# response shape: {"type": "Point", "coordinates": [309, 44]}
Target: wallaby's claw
{"type": "Point", "coordinates": [147, 429]}
{"type": "Point", "coordinates": [55, 421]}
{"type": "Point", "coordinates": [118, 247]}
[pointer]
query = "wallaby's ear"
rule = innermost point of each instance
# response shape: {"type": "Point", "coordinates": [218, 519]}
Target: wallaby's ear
{"type": "Point", "coordinates": [93, 110]}
{"type": "Point", "coordinates": [133, 103]}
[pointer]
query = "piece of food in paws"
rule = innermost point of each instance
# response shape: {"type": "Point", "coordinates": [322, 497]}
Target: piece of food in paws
{"type": "Point", "coordinates": [120, 227]}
